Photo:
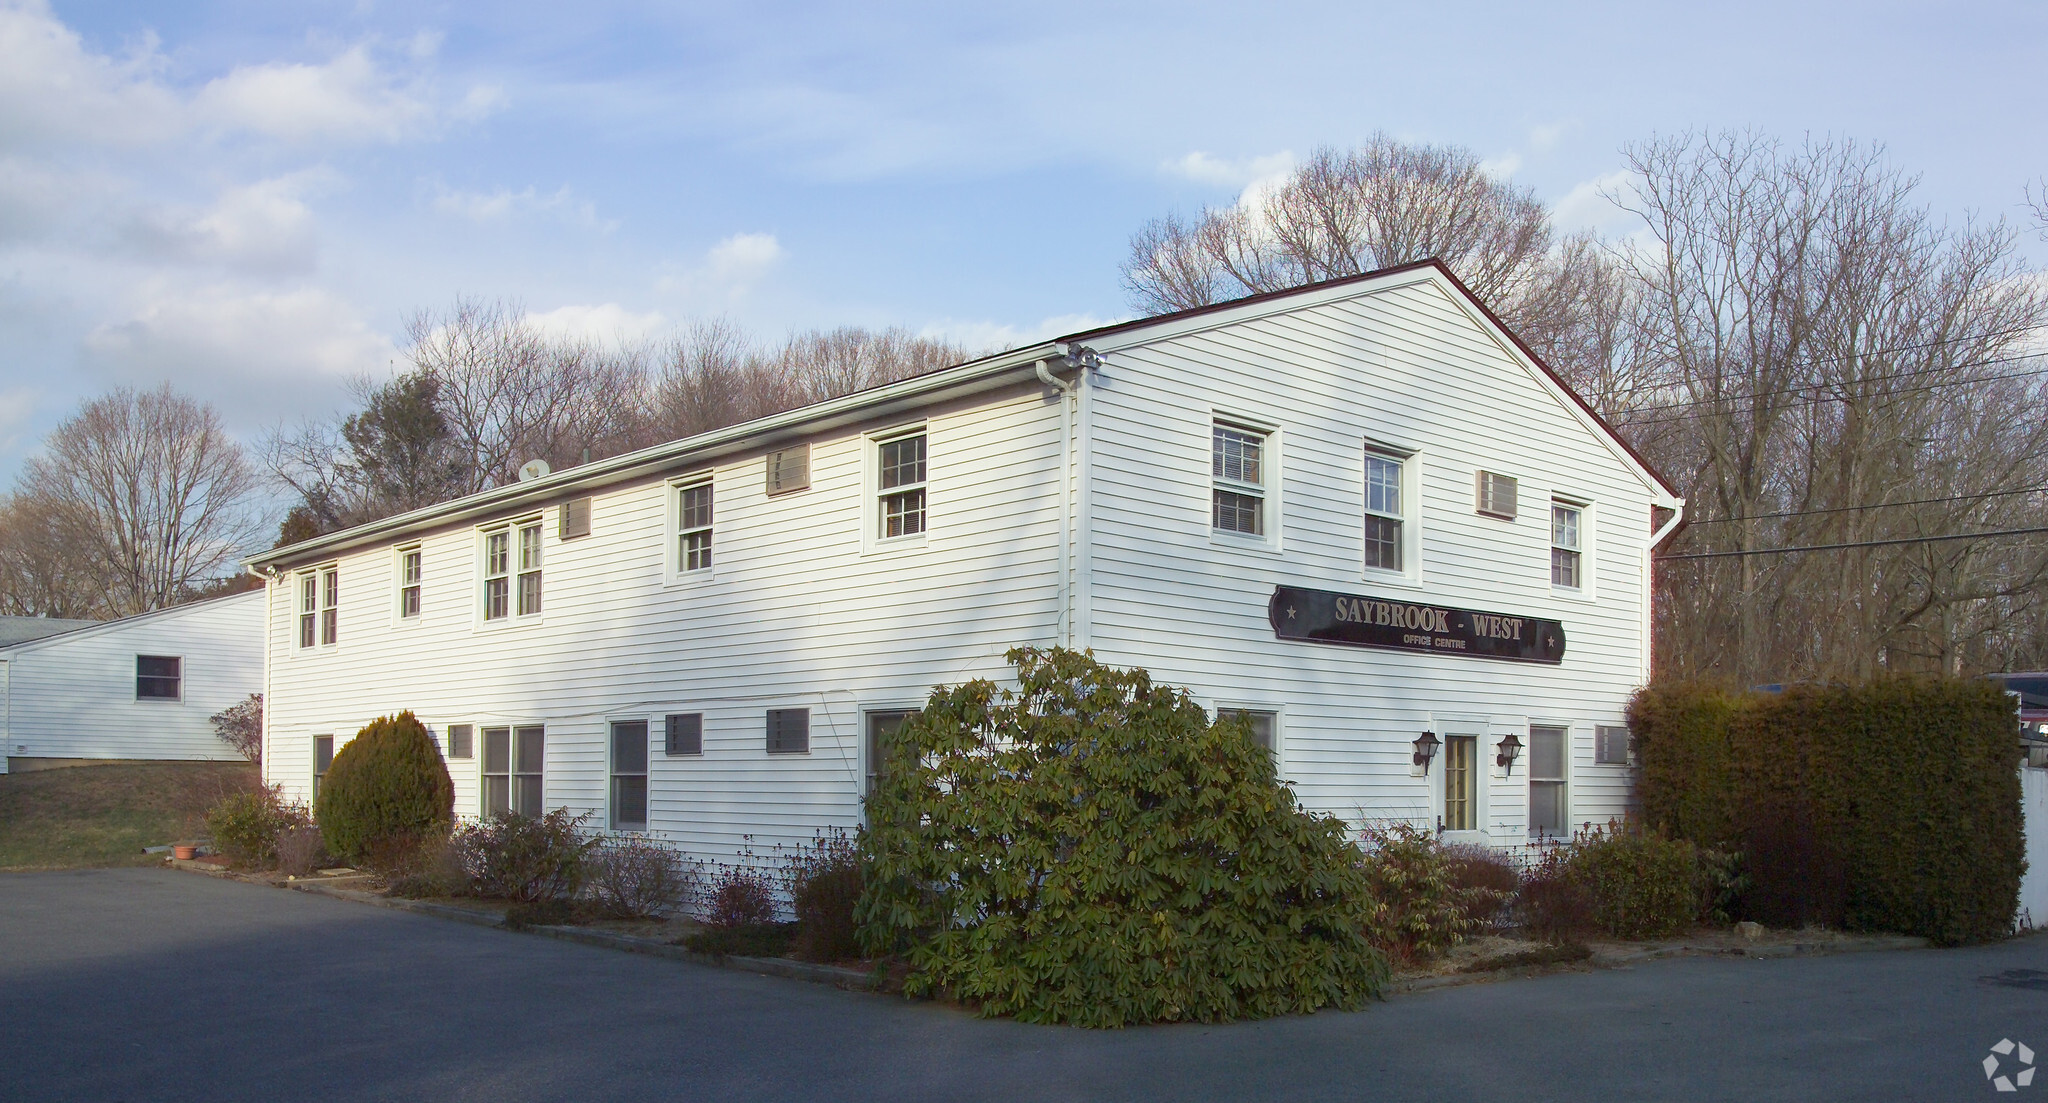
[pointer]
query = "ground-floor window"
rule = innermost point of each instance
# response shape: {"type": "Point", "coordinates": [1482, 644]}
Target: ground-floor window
{"type": "Point", "coordinates": [1460, 783]}
{"type": "Point", "coordinates": [513, 761]}
{"type": "Point", "coordinates": [1262, 724]}
{"type": "Point", "coordinates": [629, 775]}
{"type": "Point", "coordinates": [1548, 812]}
{"type": "Point", "coordinates": [882, 726]}
{"type": "Point", "coordinates": [323, 757]}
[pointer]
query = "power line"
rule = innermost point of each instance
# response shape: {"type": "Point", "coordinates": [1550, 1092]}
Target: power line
{"type": "Point", "coordinates": [1857, 544]}
{"type": "Point", "coordinates": [1874, 505]}
{"type": "Point", "coordinates": [1749, 402]}
{"type": "Point", "coordinates": [1930, 343]}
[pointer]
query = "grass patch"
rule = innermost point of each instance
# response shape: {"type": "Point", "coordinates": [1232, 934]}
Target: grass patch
{"type": "Point", "coordinates": [91, 816]}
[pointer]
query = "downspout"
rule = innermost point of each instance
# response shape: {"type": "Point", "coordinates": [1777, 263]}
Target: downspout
{"type": "Point", "coordinates": [269, 577]}
{"type": "Point", "coordinates": [1063, 597]}
{"type": "Point", "coordinates": [1663, 534]}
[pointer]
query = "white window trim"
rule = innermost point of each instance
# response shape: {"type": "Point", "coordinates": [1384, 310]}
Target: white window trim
{"type": "Point", "coordinates": [1279, 713]}
{"type": "Point", "coordinates": [512, 775]}
{"type": "Point", "coordinates": [674, 574]}
{"type": "Point", "coordinates": [1272, 452]}
{"type": "Point", "coordinates": [1410, 459]}
{"type": "Point", "coordinates": [182, 670]}
{"type": "Point", "coordinates": [1571, 730]}
{"type": "Point", "coordinates": [398, 617]}
{"type": "Point", "coordinates": [1585, 589]}
{"type": "Point", "coordinates": [479, 591]}
{"type": "Point", "coordinates": [654, 723]}
{"type": "Point", "coordinates": [318, 574]}
{"type": "Point", "coordinates": [872, 542]}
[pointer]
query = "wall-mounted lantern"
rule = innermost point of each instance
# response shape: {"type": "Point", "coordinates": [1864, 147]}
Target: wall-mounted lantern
{"type": "Point", "coordinates": [1425, 749]}
{"type": "Point", "coordinates": [1510, 749]}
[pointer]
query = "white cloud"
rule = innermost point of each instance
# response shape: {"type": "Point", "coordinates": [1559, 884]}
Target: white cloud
{"type": "Point", "coordinates": [1542, 138]}
{"type": "Point", "coordinates": [347, 98]}
{"type": "Point", "coordinates": [502, 204]}
{"type": "Point", "coordinates": [261, 227]}
{"type": "Point", "coordinates": [605, 323]}
{"type": "Point", "coordinates": [728, 272]}
{"type": "Point", "coordinates": [1204, 168]}
{"type": "Point", "coordinates": [1502, 167]}
{"type": "Point", "coordinates": [1586, 207]}
{"type": "Point", "coordinates": [744, 257]}
{"type": "Point", "coordinates": [255, 354]}
{"type": "Point", "coordinates": [53, 89]}
{"type": "Point", "coordinates": [987, 336]}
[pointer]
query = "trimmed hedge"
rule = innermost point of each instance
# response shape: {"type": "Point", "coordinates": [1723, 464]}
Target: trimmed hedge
{"type": "Point", "coordinates": [1889, 806]}
{"type": "Point", "coordinates": [1092, 850]}
{"type": "Point", "coordinates": [386, 792]}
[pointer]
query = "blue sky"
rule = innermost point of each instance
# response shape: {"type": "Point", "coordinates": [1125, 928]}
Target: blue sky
{"type": "Point", "coordinates": [249, 199]}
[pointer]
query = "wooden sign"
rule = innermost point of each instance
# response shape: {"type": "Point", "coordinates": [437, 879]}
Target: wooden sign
{"type": "Point", "coordinates": [1320, 616]}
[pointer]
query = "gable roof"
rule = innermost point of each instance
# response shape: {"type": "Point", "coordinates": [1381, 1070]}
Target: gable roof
{"type": "Point", "coordinates": [14, 630]}
{"type": "Point", "coordinates": [985, 373]}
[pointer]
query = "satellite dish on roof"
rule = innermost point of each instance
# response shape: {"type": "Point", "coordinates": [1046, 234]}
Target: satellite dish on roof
{"type": "Point", "coordinates": [533, 469]}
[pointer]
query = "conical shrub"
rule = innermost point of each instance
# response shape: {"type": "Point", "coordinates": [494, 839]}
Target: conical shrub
{"type": "Point", "coordinates": [387, 791]}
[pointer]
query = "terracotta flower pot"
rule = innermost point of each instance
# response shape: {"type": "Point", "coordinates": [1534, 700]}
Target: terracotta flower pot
{"type": "Point", "coordinates": [184, 853]}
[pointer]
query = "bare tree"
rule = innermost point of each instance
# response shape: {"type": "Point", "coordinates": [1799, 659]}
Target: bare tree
{"type": "Point", "coordinates": [41, 572]}
{"type": "Point", "coordinates": [1811, 356]}
{"type": "Point", "coordinates": [152, 490]}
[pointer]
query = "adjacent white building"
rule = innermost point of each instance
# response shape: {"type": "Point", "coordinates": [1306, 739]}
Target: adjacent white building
{"type": "Point", "coordinates": [1360, 511]}
{"type": "Point", "coordinates": [142, 687]}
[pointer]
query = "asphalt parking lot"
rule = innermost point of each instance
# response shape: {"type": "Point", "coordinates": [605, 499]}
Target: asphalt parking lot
{"type": "Point", "coordinates": [153, 985]}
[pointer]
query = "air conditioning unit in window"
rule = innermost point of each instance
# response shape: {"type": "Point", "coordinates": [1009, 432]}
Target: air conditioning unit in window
{"type": "Point", "coordinates": [1496, 495]}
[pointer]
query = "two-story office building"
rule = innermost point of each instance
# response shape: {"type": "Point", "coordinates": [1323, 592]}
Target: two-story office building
{"type": "Point", "coordinates": [1359, 511]}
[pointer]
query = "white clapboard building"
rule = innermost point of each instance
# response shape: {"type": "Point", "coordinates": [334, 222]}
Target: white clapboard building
{"type": "Point", "coordinates": [1360, 511]}
{"type": "Point", "coordinates": [142, 687]}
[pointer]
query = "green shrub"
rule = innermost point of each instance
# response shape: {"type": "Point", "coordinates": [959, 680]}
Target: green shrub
{"type": "Point", "coordinates": [825, 882]}
{"type": "Point", "coordinates": [1091, 849]}
{"type": "Point", "coordinates": [387, 792]}
{"type": "Point", "coordinates": [246, 827]}
{"type": "Point", "coordinates": [1893, 805]}
{"type": "Point", "coordinates": [527, 859]}
{"type": "Point", "coordinates": [1637, 884]}
{"type": "Point", "coordinates": [1431, 897]}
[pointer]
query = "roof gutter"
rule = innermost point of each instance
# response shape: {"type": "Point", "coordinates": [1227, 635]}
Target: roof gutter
{"type": "Point", "coordinates": [969, 378]}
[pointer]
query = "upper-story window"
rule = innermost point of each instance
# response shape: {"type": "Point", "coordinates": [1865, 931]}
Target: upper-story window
{"type": "Point", "coordinates": [1565, 550]}
{"type": "Point", "coordinates": [408, 583]}
{"type": "Point", "coordinates": [512, 567]}
{"type": "Point", "coordinates": [693, 525]}
{"type": "Point", "coordinates": [902, 486]}
{"type": "Point", "coordinates": [1385, 512]}
{"type": "Point", "coordinates": [1237, 462]}
{"type": "Point", "coordinates": [319, 606]}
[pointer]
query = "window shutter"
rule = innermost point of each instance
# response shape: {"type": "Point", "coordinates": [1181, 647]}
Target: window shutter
{"type": "Point", "coordinates": [685, 733]}
{"type": "Point", "coordinates": [1497, 495]}
{"type": "Point", "coordinates": [460, 741]}
{"type": "Point", "coordinates": [574, 518]}
{"type": "Point", "coordinates": [789, 469]}
{"type": "Point", "coordinates": [789, 731]}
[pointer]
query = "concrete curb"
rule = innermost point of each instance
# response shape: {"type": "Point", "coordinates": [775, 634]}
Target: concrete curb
{"type": "Point", "coordinates": [1626, 958]}
{"type": "Point", "coordinates": [852, 979]}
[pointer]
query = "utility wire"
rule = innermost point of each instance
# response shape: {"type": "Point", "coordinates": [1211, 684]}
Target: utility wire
{"type": "Point", "coordinates": [1856, 544]}
{"type": "Point", "coordinates": [1867, 353]}
{"type": "Point", "coordinates": [1750, 403]}
{"type": "Point", "coordinates": [1874, 505]}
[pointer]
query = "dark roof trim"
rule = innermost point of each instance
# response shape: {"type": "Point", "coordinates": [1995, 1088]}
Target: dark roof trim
{"type": "Point", "coordinates": [1379, 274]}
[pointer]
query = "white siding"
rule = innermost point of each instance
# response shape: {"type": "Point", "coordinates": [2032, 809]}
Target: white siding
{"type": "Point", "coordinates": [1408, 367]}
{"type": "Point", "coordinates": [794, 614]}
{"type": "Point", "coordinates": [73, 695]}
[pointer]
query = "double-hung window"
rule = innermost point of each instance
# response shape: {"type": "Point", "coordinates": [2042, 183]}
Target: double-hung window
{"type": "Point", "coordinates": [901, 465]}
{"type": "Point", "coordinates": [512, 570]}
{"type": "Point", "coordinates": [629, 775]}
{"type": "Point", "coordinates": [1385, 518]}
{"type": "Point", "coordinates": [1237, 463]}
{"type": "Point", "coordinates": [319, 606]}
{"type": "Point", "coordinates": [693, 527]}
{"type": "Point", "coordinates": [1566, 532]}
{"type": "Point", "coordinates": [408, 583]}
{"type": "Point", "coordinates": [514, 760]}
{"type": "Point", "coordinates": [1548, 811]}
